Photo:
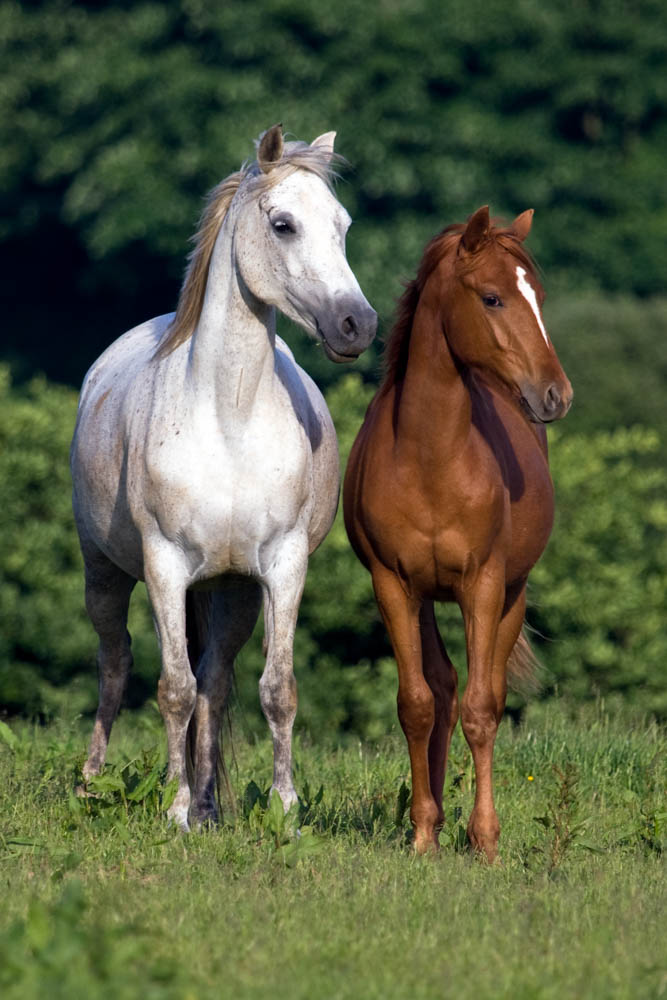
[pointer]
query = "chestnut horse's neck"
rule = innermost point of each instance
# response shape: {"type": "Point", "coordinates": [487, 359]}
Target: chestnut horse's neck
{"type": "Point", "coordinates": [432, 397]}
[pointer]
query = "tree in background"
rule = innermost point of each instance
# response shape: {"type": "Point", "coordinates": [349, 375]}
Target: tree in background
{"type": "Point", "coordinates": [115, 118]}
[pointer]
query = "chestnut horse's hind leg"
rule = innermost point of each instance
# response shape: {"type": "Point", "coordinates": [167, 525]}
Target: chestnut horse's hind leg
{"type": "Point", "coordinates": [416, 702]}
{"type": "Point", "coordinates": [233, 613]}
{"type": "Point", "coordinates": [442, 679]}
{"type": "Point", "coordinates": [493, 622]}
{"type": "Point", "coordinates": [108, 591]}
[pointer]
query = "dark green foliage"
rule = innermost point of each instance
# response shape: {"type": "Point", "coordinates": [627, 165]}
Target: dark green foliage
{"type": "Point", "coordinates": [614, 348]}
{"type": "Point", "coordinates": [59, 951]}
{"type": "Point", "coordinates": [44, 636]}
{"type": "Point", "coordinates": [116, 118]}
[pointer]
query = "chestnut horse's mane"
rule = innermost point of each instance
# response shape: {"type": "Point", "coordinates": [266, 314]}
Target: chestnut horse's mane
{"type": "Point", "coordinates": [398, 342]}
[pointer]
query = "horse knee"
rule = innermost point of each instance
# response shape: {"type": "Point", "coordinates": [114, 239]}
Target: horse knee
{"type": "Point", "coordinates": [416, 712]}
{"type": "Point", "coordinates": [176, 697]}
{"type": "Point", "coordinates": [479, 722]}
{"type": "Point", "coordinates": [278, 697]}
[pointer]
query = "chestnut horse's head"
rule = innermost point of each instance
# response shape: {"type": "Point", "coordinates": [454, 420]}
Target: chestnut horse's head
{"type": "Point", "coordinates": [494, 315]}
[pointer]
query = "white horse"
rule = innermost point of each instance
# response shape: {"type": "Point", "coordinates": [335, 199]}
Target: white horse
{"type": "Point", "coordinates": [205, 458]}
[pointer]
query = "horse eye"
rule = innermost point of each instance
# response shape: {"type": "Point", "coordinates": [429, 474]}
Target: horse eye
{"type": "Point", "coordinates": [282, 227]}
{"type": "Point", "coordinates": [492, 301]}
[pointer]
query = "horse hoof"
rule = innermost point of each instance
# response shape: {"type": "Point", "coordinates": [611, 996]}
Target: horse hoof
{"type": "Point", "coordinates": [487, 852]}
{"type": "Point", "coordinates": [81, 792]}
{"type": "Point", "coordinates": [288, 797]}
{"type": "Point", "coordinates": [178, 818]}
{"type": "Point", "coordinates": [486, 857]}
{"type": "Point", "coordinates": [426, 844]}
{"type": "Point", "coordinates": [206, 819]}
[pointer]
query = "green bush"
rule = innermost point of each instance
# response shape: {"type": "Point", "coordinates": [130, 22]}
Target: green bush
{"type": "Point", "coordinates": [598, 595]}
{"type": "Point", "coordinates": [600, 592]}
{"type": "Point", "coordinates": [614, 348]}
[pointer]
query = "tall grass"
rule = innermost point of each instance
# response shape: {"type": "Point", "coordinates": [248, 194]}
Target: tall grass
{"type": "Point", "coordinates": [102, 899]}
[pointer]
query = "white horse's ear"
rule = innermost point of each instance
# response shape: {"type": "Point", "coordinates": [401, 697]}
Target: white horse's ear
{"type": "Point", "coordinates": [325, 142]}
{"type": "Point", "coordinates": [270, 148]}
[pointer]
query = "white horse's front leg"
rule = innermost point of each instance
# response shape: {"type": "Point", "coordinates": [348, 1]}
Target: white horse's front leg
{"type": "Point", "coordinates": [283, 587]}
{"type": "Point", "coordinates": [177, 687]}
{"type": "Point", "coordinates": [232, 616]}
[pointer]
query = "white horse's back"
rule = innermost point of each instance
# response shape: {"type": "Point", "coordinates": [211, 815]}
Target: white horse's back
{"type": "Point", "coordinates": [131, 352]}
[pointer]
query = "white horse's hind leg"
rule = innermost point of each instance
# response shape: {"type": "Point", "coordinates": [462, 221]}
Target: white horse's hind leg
{"type": "Point", "coordinates": [108, 591]}
{"type": "Point", "coordinates": [283, 587]}
{"type": "Point", "coordinates": [233, 614]}
{"type": "Point", "coordinates": [177, 687]}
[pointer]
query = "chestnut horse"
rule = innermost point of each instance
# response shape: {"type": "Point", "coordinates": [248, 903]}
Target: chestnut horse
{"type": "Point", "coordinates": [448, 495]}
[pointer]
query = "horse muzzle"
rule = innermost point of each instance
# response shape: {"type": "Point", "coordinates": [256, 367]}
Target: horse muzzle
{"type": "Point", "coordinates": [543, 406]}
{"type": "Point", "coordinates": [347, 329]}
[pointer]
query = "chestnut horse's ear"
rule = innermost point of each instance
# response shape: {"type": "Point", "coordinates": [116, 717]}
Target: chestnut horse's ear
{"type": "Point", "coordinates": [477, 230]}
{"type": "Point", "coordinates": [521, 225]}
{"type": "Point", "coordinates": [270, 148]}
{"type": "Point", "coordinates": [325, 142]}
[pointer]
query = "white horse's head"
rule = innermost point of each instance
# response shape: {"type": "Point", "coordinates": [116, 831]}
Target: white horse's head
{"type": "Point", "coordinates": [287, 234]}
{"type": "Point", "coordinates": [289, 244]}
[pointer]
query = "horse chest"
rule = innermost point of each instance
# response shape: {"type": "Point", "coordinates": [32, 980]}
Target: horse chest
{"type": "Point", "coordinates": [459, 511]}
{"type": "Point", "coordinates": [230, 498]}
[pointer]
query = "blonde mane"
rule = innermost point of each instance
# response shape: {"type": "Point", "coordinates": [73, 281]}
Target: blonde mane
{"type": "Point", "coordinates": [296, 156]}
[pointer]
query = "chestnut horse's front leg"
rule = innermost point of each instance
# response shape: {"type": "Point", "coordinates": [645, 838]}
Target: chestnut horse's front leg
{"type": "Point", "coordinates": [415, 700]}
{"type": "Point", "coordinates": [442, 679]}
{"type": "Point", "coordinates": [493, 620]}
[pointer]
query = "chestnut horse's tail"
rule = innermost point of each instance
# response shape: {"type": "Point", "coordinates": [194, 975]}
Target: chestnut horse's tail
{"type": "Point", "coordinates": [197, 616]}
{"type": "Point", "coordinates": [523, 667]}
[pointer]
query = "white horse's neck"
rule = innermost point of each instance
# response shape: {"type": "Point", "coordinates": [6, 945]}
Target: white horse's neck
{"type": "Point", "coordinates": [233, 346]}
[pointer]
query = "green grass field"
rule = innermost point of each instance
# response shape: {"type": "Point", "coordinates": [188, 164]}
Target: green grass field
{"type": "Point", "coordinates": [101, 899]}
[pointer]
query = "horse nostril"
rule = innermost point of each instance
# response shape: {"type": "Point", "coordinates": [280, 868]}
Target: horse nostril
{"type": "Point", "coordinates": [349, 326]}
{"type": "Point", "coordinates": [552, 399]}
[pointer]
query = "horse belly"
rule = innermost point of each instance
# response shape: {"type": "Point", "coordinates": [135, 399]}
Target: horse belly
{"type": "Point", "coordinates": [531, 520]}
{"type": "Point", "coordinates": [100, 501]}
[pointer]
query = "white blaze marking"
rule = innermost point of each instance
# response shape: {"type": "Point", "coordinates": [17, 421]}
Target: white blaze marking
{"type": "Point", "coordinates": [528, 293]}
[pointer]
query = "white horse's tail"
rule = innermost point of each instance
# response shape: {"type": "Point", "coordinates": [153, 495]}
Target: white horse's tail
{"type": "Point", "coordinates": [197, 617]}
